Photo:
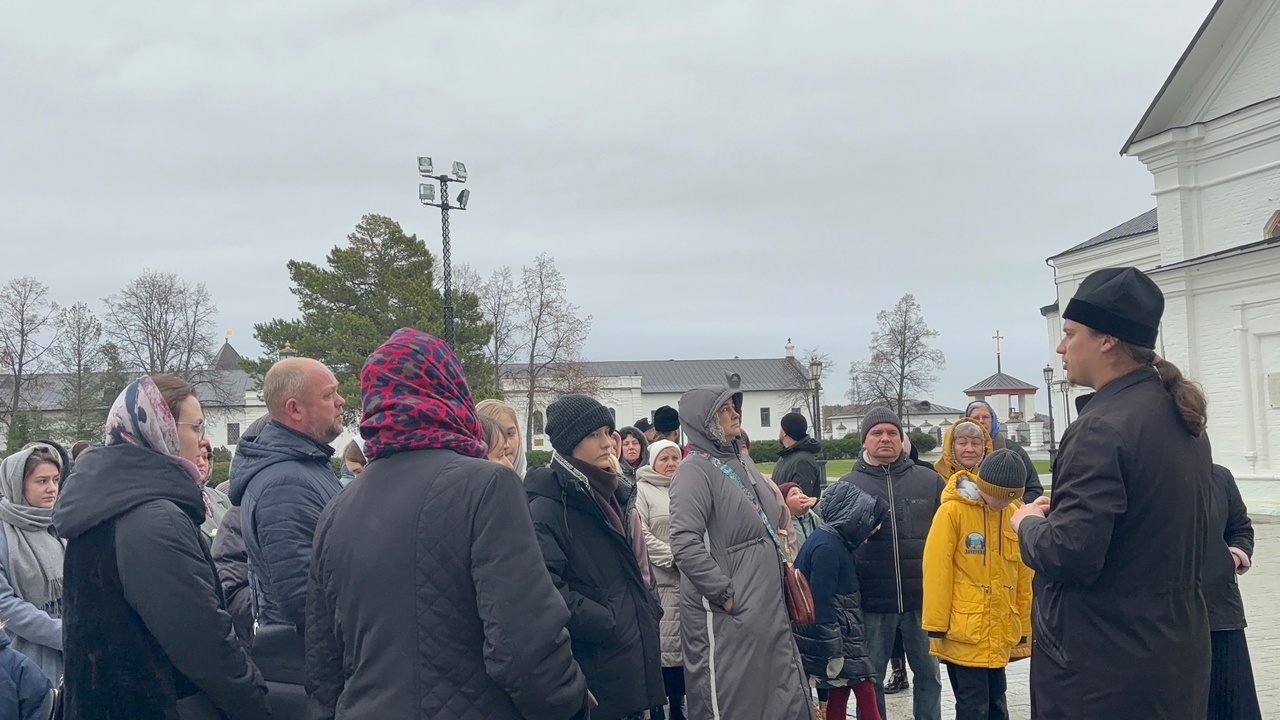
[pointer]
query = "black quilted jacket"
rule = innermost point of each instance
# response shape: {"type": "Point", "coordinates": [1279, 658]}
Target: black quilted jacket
{"type": "Point", "coordinates": [428, 598]}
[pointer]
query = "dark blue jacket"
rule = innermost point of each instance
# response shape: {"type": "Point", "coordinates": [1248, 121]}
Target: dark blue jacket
{"type": "Point", "coordinates": [23, 685]}
{"type": "Point", "coordinates": [282, 481]}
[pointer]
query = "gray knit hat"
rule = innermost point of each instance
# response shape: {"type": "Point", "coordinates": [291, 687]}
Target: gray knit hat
{"type": "Point", "coordinates": [572, 418]}
{"type": "Point", "coordinates": [1002, 475]}
{"type": "Point", "coordinates": [880, 416]}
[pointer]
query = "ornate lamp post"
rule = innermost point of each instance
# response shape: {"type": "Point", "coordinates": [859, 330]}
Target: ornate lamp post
{"type": "Point", "coordinates": [815, 378]}
{"type": "Point", "coordinates": [1053, 437]}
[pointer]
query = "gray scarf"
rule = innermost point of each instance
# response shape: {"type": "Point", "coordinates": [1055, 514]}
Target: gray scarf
{"type": "Point", "coordinates": [35, 553]}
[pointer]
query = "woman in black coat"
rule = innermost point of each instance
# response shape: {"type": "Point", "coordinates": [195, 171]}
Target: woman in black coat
{"type": "Point", "coordinates": [146, 634]}
{"type": "Point", "coordinates": [1228, 554]}
{"type": "Point", "coordinates": [593, 545]}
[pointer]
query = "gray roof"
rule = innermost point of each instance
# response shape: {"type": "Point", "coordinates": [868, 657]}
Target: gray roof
{"type": "Point", "coordinates": [677, 376]}
{"type": "Point", "coordinates": [1144, 223]}
{"type": "Point", "coordinates": [912, 407]}
{"type": "Point", "coordinates": [1000, 381]}
{"type": "Point", "coordinates": [223, 385]}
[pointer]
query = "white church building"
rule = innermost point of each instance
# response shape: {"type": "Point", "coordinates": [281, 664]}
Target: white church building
{"type": "Point", "coordinates": [1211, 139]}
{"type": "Point", "coordinates": [634, 389]}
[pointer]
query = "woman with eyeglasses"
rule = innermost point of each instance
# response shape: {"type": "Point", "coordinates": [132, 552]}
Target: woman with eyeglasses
{"type": "Point", "coordinates": [31, 555]}
{"type": "Point", "coordinates": [146, 632]}
{"type": "Point", "coordinates": [216, 502]}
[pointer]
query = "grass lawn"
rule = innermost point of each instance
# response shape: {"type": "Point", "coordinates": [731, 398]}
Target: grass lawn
{"type": "Point", "coordinates": [837, 469]}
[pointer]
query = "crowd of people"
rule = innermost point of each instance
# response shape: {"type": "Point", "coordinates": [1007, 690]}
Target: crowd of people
{"type": "Point", "coordinates": [648, 571]}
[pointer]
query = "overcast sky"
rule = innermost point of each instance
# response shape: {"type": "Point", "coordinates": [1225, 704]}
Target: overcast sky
{"type": "Point", "coordinates": [712, 178]}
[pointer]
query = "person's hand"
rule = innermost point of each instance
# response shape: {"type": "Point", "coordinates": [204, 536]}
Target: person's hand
{"type": "Point", "coordinates": [1022, 513]}
{"type": "Point", "coordinates": [809, 502]}
{"type": "Point", "coordinates": [728, 605]}
{"type": "Point", "coordinates": [1042, 502]}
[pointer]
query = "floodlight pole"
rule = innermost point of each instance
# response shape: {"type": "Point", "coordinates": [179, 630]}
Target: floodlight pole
{"type": "Point", "coordinates": [444, 180]}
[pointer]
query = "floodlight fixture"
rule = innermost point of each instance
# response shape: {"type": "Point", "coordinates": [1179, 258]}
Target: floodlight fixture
{"type": "Point", "coordinates": [425, 166]}
{"type": "Point", "coordinates": [426, 193]}
{"type": "Point", "coordinates": [463, 198]}
{"type": "Point", "coordinates": [460, 171]}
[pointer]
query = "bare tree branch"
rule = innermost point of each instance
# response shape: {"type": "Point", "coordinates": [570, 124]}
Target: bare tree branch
{"type": "Point", "coordinates": [28, 329]}
{"type": "Point", "coordinates": [901, 362]}
{"type": "Point", "coordinates": [553, 336]}
{"type": "Point", "coordinates": [162, 323]}
{"type": "Point", "coordinates": [500, 302]}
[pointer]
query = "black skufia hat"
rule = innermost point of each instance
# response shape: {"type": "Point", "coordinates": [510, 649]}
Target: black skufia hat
{"type": "Point", "coordinates": [666, 419]}
{"type": "Point", "coordinates": [1123, 302]}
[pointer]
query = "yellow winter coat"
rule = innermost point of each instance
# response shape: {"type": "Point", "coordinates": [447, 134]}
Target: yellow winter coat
{"type": "Point", "coordinates": [976, 588]}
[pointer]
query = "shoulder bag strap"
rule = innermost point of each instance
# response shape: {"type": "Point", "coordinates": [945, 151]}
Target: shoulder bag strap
{"type": "Point", "coordinates": [755, 501]}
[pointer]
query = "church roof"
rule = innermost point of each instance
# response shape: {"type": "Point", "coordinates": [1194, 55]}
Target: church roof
{"type": "Point", "coordinates": [227, 357]}
{"type": "Point", "coordinates": [1210, 40]}
{"type": "Point", "coordinates": [677, 376]}
{"type": "Point", "coordinates": [1001, 382]}
{"type": "Point", "coordinates": [1140, 225]}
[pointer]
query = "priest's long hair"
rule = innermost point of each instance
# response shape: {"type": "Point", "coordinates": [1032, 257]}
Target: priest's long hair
{"type": "Point", "coordinates": [1190, 399]}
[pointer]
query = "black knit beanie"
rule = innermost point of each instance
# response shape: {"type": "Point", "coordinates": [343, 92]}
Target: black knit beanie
{"type": "Point", "coordinates": [572, 418]}
{"type": "Point", "coordinates": [795, 426]}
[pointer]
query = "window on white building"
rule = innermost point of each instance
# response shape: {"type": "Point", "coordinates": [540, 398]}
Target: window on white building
{"type": "Point", "coordinates": [764, 417]}
{"type": "Point", "coordinates": [1273, 227]}
{"type": "Point", "coordinates": [233, 433]}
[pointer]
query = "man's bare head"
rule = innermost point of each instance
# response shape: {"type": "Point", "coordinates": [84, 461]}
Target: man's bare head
{"type": "Point", "coordinates": [302, 394]}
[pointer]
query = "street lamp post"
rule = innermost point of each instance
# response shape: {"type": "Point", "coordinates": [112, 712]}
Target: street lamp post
{"type": "Point", "coordinates": [1053, 438]}
{"type": "Point", "coordinates": [427, 195]}
{"type": "Point", "coordinates": [815, 377]}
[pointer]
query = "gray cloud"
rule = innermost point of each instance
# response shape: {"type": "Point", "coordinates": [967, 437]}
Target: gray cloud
{"type": "Point", "coordinates": [712, 178]}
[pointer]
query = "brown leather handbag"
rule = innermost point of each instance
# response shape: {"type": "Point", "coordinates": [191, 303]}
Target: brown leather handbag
{"type": "Point", "coordinates": [799, 597]}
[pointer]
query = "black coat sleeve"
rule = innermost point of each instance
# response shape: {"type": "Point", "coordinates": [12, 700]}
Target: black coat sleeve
{"type": "Point", "coordinates": [168, 579]}
{"type": "Point", "coordinates": [325, 677]}
{"type": "Point", "coordinates": [232, 561]}
{"type": "Point", "coordinates": [1033, 487]}
{"type": "Point", "coordinates": [1089, 495]}
{"type": "Point", "coordinates": [589, 620]}
{"type": "Point", "coordinates": [526, 649]}
{"type": "Point", "coordinates": [1239, 530]}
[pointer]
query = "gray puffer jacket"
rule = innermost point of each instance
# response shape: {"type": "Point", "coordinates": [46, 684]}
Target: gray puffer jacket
{"type": "Point", "coordinates": [740, 663]}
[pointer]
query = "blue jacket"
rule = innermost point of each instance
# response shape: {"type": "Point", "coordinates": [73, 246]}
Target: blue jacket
{"type": "Point", "coordinates": [23, 685]}
{"type": "Point", "coordinates": [281, 480]}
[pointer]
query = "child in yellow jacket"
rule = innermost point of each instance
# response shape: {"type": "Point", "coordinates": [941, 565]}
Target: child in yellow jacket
{"type": "Point", "coordinates": [977, 591]}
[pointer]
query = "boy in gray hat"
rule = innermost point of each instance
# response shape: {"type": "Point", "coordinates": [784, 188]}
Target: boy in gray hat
{"type": "Point", "coordinates": [977, 591]}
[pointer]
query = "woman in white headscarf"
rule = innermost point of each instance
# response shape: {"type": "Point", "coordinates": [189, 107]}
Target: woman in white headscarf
{"type": "Point", "coordinates": [31, 556]}
{"type": "Point", "coordinates": [653, 502]}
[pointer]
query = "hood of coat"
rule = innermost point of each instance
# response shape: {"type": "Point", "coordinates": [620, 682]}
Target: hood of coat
{"type": "Point", "coordinates": [275, 444]}
{"type": "Point", "coordinates": [962, 489]}
{"type": "Point", "coordinates": [627, 432]}
{"type": "Point", "coordinates": [808, 444]}
{"type": "Point", "coordinates": [13, 470]}
{"type": "Point", "coordinates": [897, 467]}
{"type": "Point", "coordinates": [851, 513]}
{"type": "Point", "coordinates": [648, 475]}
{"type": "Point", "coordinates": [65, 456]}
{"type": "Point", "coordinates": [948, 465]}
{"type": "Point", "coordinates": [699, 417]}
{"type": "Point", "coordinates": [110, 481]}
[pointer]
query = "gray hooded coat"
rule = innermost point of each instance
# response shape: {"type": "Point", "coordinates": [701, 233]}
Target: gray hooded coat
{"type": "Point", "coordinates": [739, 664]}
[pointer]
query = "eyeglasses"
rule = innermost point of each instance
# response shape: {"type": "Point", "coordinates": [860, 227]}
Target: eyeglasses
{"type": "Point", "coordinates": [199, 427]}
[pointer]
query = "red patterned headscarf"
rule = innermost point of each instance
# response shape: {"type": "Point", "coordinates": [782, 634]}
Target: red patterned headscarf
{"type": "Point", "coordinates": [414, 396]}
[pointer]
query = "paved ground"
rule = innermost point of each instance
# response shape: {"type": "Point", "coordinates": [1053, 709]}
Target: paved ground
{"type": "Point", "coordinates": [1261, 588]}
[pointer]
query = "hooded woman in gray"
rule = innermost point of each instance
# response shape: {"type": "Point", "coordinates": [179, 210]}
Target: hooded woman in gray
{"type": "Point", "coordinates": [741, 662]}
